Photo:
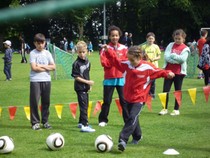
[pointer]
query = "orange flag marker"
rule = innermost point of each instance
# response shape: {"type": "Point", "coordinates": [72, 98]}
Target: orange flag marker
{"type": "Point", "coordinates": [206, 91]}
{"type": "Point", "coordinates": [149, 102]}
{"type": "Point", "coordinates": [117, 101]}
{"type": "Point", "coordinates": [73, 108]}
{"type": "Point", "coordinates": [178, 96]}
{"type": "Point", "coordinates": [12, 112]}
{"type": "Point", "coordinates": [97, 107]}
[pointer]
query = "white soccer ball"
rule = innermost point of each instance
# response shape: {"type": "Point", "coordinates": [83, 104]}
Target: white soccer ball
{"type": "Point", "coordinates": [6, 144]}
{"type": "Point", "coordinates": [103, 143]}
{"type": "Point", "coordinates": [55, 141]}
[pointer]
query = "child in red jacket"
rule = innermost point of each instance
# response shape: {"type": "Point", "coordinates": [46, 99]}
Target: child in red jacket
{"type": "Point", "coordinates": [113, 78]}
{"type": "Point", "coordinates": [138, 77]}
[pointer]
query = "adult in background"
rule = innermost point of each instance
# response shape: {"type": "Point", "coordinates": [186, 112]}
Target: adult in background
{"type": "Point", "coordinates": [22, 49]}
{"type": "Point", "coordinates": [130, 40]}
{"type": "Point", "coordinates": [200, 44]}
{"type": "Point", "coordinates": [113, 78]}
{"type": "Point", "coordinates": [204, 61]}
{"type": "Point", "coordinates": [175, 59]}
{"type": "Point", "coordinates": [125, 39]}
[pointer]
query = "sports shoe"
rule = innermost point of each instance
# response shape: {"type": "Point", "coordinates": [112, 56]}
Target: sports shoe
{"type": "Point", "coordinates": [36, 127]}
{"type": "Point", "coordinates": [135, 142]}
{"type": "Point", "coordinates": [87, 129]}
{"type": "Point", "coordinates": [79, 125]}
{"type": "Point", "coordinates": [102, 124]}
{"type": "Point", "coordinates": [175, 113]}
{"type": "Point", "coordinates": [47, 125]}
{"type": "Point", "coordinates": [121, 145]}
{"type": "Point", "coordinates": [163, 112]}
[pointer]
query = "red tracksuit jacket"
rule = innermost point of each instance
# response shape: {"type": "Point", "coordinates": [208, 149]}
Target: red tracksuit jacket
{"type": "Point", "coordinates": [137, 79]}
{"type": "Point", "coordinates": [111, 71]}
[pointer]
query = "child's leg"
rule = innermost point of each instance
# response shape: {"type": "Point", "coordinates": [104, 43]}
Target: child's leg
{"type": "Point", "coordinates": [83, 105]}
{"type": "Point", "coordinates": [132, 123]}
{"type": "Point", "coordinates": [166, 88]}
{"type": "Point", "coordinates": [178, 79]}
{"type": "Point", "coordinates": [45, 100]}
{"type": "Point", "coordinates": [6, 71]}
{"type": "Point", "coordinates": [122, 102]}
{"type": "Point", "coordinates": [107, 94]}
{"type": "Point", "coordinates": [34, 100]}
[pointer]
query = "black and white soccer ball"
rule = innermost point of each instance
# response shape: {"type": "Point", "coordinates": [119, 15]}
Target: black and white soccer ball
{"type": "Point", "coordinates": [6, 144]}
{"type": "Point", "coordinates": [103, 143]}
{"type": "Point", "coordinates": [55, 141]}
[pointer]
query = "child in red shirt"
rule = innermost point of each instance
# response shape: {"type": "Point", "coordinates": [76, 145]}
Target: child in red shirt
{"type": "Point", "coordinates": [138, 77]}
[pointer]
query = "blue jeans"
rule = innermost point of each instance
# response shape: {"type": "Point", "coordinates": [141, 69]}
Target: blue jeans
{"type": "Point", "coordinates": [7, 70]}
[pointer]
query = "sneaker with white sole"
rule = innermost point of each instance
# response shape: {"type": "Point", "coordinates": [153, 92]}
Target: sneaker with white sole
{"type": "Point", "coordinates": [175, 113]}
{"type": "Point", "coordinates": [122, 145]}
{"type": "Point", "coordinates": [36, 127]}
{"type": "Point", "coordinates": [163, 112]}
{"type": "Point", "coordinates": [102, 124]}
{"type": "Point", "coordinates": [87, 129]}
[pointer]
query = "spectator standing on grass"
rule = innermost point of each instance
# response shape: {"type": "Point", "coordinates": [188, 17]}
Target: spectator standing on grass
{"type": "Point", "coordinates": [90, 48]}
{"type": "Point", "coordinates": [200, 44]}
{"type": "Point", "coordinates": [175, 59]}
{"type": "Point", "coordinates": [42, 63]}
{"type": "Point", "coordinates": [204, 61]}
{"type": "Point", "coordinates": [82, 84]}
{"type": "Point", "coordinates": [113, 78]}
{"type": "Point", "coordinates": [7, 60]}
{"type": "Point", "coordinates": [138, 76]}
{"type": "Point", "coordinates": [153, 53]}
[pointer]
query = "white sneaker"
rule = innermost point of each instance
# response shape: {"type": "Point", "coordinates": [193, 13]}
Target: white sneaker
{"type": "Point", "coordinates": [175, 113]}
{"type": "Point", "coordinates": [163, 112]}
{"type": "Point", "coordinates": [102, 124]}
{"type": "Point", "coordinates": [87, 129]}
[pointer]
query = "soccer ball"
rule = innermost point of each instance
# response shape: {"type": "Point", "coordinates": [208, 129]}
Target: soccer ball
{"type": "Point", "coordinates": [6, 144]}
{"type": "Point", "coordinates": [103, 143]}
{"type": "Point", "coordinates": [55, 141]}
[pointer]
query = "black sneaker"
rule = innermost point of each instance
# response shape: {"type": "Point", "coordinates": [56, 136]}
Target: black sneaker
{"type": "Point", "coordinates": [36, 127]}
{"type": "Point", "coordinates": [47, 125]}
{"type": "Point", "coordinates": [121, 145]}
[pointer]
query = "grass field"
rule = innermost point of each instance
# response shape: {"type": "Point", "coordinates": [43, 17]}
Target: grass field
{"type": "Point", "coordinates": [187, 133]}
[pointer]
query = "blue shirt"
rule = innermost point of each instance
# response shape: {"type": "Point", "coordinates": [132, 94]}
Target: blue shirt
{"type": "Point", "coordinates": [114, 82]}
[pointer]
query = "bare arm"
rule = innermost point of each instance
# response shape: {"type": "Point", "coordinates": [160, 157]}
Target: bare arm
{"type": "Point", "coordinates": [42, 68]}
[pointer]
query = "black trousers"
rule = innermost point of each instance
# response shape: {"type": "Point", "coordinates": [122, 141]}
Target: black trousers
{"type": "Point", "coordinates": [37, 90]}
{"type": "Point", "coordinates": [177, 80]}
{"type": "Point", "coordinates": [107, 100]}
{"type": "Point", "coordinates": [206, 76]}
{"type": "Point", "coordinates": [132, 125]}
{"type": "Point", "coordinates": [83, 101]}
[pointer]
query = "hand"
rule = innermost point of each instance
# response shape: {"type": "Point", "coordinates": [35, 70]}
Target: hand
{"type": "Point", "coordinates": [105, 46]}
{"type": "Point", "coordinates": [91, 83]}
{"type": "Point", "coordinates": [170, 75]}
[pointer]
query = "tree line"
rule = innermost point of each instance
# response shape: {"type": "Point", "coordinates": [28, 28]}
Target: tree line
{"type": "Point", "coordinates": [136, 16]}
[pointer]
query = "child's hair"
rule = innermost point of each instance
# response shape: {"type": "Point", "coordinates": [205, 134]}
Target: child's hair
{"type": "Point", "coordinates": [179, 32]}
{"type": "Point", "coordinates": [150, 34]}
{"type": "Point", "coordinates": [39, 37]}
{"type": "Point", "coordinates": [137, 52]}
{"type": "Point", "coordinates": [112, 28]}
{"type": "Point", "coordinates": [81, 44]}
{"type": "Point", "coordinates": [203, 32]}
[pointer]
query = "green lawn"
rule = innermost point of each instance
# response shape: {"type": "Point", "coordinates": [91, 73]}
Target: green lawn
{"type": "Point", "coordinates": [187, 133]}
